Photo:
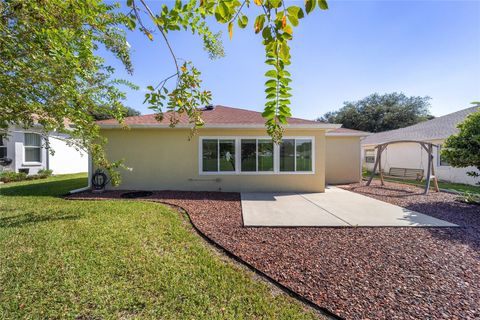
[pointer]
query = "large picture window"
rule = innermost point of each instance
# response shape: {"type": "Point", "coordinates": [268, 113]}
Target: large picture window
{"type": "Point", "coordinates": [252, 155]}
{"type": "Point", "coordinates": [303, 155]}
{"type": "Point", "coordinates": [257, 155]}
{"type": "Point", "coordinates": [33, 147]}
{"type": "Point", "coordinates": [296, 155]}
{"type": "Point", "coordinates": [265, 155]}
{"type": "Point", "coordinates": [3, 148]}
{"type": "Point", "coordinates": [218, 155]}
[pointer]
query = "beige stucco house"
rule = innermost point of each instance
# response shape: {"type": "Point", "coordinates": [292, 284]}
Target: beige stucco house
{"type": "Point", "coordinates": [232, 152]}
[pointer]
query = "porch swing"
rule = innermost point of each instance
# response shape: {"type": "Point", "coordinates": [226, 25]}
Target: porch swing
{"type": "Point", "coordinates": [406, 173]}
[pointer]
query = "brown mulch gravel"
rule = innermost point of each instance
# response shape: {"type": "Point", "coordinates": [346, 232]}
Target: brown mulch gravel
{"type": "Point", "coordinates": [356, 273]}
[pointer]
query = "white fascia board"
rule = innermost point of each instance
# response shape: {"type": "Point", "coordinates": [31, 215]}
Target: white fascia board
{"type": "Point", "coordinates": [335, 134]}
{"type": "Point", "coordinates": [325, 126]}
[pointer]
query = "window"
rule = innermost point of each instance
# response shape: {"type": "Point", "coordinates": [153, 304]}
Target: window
{"type": "Point", "coordinates": [218, 155]}
{"type": "Point", "coordinates": [33, 147]}
{"type": "Point", "coordinates": [3, 148]}
{"type": "Point", "coordinates": [255, 155]}
{"type": "Point", "coordinates": [248, 150]}
{"type": "Point", "coordinates": [304, 155]}
{"type": "Point", "coordinates": [370, 156]}
{"type": "Point", "coordinates": [296, 155]}
{"type": "Point", "coordinates": [265, 155]}
{"type": "Point", "coordinates": [287, 155]}
{"type": "Point", "coordinates": [441, 162]}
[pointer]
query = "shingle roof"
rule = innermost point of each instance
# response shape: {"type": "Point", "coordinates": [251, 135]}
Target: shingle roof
{"type": "Point", "coordinates": [347, 132]}
{"type": "Point", "coordinates": [219, 115]}
{"type": "Point", "coordinates": [438, 128]}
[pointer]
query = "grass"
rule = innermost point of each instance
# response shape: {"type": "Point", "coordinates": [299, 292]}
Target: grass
{"type": "Point", "coordinates": [460, 187]}
{"type": "Point", "coordinates": [69, 259]}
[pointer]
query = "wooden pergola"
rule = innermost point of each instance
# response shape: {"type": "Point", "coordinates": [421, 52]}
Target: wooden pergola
{"type": "Point", "coordinates": [427, 146]}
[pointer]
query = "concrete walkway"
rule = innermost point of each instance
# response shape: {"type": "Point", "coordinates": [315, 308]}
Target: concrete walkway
{"type": "Point", "coordinates": [334, 208]}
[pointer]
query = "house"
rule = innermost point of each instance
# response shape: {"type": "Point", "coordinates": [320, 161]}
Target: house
{"type": "Point", "coordinates": [232, 152]}
{"type": "Point", "coordinates": [411, 155]}
{"type": "Point", "coordinates": [28, 151]}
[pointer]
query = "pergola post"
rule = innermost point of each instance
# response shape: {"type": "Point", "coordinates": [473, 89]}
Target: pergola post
{"type": "Point", "coordinates": [379, 152]}
{"type": "Point", "coordinates": [430, 156]}
{"type": "Point", "coordinates": [435, 180]}
{"type": "Point", "coordinates": [382, 182]}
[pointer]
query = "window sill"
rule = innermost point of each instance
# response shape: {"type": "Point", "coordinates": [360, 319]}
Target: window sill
{"type": "Point", "coordinates": [31, 164]}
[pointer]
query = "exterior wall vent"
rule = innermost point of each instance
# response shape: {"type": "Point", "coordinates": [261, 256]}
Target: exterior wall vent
{"type": "Point", "coordinates": [209, 107]}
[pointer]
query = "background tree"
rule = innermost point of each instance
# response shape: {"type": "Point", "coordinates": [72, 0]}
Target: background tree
{"type": "Point", "coordinates": [128, 112]}
{"type": "Point", "coordinates": [463, 149]}
{"type": "Point", "coordinates": [377, 113]}
{"type": "Point", "coordinates": [50, 70]}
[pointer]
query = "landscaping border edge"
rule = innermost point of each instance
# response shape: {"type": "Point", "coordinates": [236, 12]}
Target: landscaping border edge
{"type": "Point", "coordinates": [323, 311]}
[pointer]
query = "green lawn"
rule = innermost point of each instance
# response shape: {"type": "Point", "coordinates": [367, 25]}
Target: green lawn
{"type": "Point", "coordinates": [117, 259]}
{"type": "Point", "coordinates": [441, 184]}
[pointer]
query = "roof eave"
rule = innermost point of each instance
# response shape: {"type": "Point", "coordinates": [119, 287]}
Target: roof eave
{"type": "Point", "coordinates": [324, 126]}
{"type": "Point", "coordinates": [350, 134]}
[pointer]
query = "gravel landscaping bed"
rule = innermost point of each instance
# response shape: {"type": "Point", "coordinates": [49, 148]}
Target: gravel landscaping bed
{"type": "Point", "coordinates": [357, 273]}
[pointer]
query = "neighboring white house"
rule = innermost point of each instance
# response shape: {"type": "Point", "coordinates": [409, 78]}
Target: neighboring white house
{"type": "Point", "coordinates": [28, 152]}
{"type": "Point", "coordinates": [411, 155]}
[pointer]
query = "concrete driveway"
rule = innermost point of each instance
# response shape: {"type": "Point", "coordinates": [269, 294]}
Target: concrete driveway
{"type": "Point", "coordinates": [333, 208]}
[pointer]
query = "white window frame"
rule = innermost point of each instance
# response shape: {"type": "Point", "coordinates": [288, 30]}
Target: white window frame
{"type": "Point", "coordinates": [4, 146]}
{"type": "Point", "coordinates": [365, 155]}
{"type": "Point", "coordinates": [25, 162]}
{"type": "Point", "coordinates": [238, 156]}
{"type": "Point", "coordinates": [439, 160]}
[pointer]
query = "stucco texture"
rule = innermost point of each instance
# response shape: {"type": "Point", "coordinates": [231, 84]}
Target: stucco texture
{"type": "Point", "coordinates": [343, 161]}
{"type": "Point", "coordinates": [164, 159]}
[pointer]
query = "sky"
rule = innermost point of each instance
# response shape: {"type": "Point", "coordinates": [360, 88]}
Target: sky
{"type": "Point", "coordinates": [354, 49]}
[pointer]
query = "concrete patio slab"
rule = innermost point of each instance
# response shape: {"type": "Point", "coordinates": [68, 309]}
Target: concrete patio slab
{"type": "Point", "coordinates": [284, 210]}
{"type": "Point", "coordinates": [334, 207]}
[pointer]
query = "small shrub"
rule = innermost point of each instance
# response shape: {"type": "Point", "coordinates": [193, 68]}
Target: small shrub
{"type": "Point", "coordinates": [11, 176]}
{"type": "Point", "coordinates": [470, 198]}
{"type": "Point", "coordinates": [44, 173]}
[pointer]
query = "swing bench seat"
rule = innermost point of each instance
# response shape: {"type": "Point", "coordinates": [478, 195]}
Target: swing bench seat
{"type": "Point", "coordinates": [405, 174]}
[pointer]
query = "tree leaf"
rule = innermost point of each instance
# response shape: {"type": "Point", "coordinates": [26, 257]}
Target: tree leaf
{"type": "Point", "coordinates": [323, 4]}
{"type": "Point", "coordinates": [230, 29]}
{"type": "Point", "coordinates": [242, 21]}
{"type": "Point", "coordinates": [309, 5]}
{"type": "Point", "coordinates": [271, 73]}
{"type": "Point", "coordinates": [259, 23]}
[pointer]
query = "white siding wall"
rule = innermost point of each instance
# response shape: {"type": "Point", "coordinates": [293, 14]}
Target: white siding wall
{"type": "Point", "coordinates": [408, 155]}
{"type": "Point", "coordinates": [65, 160]}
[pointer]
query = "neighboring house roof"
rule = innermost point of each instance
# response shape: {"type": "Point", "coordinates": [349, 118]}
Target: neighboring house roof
{"type": "Point", "coordinates": [438, 128]}
{"type": "Point", "coordinates": [218, 117]}
{"type": "Point", "coordinates": [347, 132]}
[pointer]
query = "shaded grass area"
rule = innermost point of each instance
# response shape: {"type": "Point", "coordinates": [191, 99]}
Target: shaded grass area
{"type": "Point", "coordinates": [117, 259]}
{"type": "Point", "coordinates": [460, 187]}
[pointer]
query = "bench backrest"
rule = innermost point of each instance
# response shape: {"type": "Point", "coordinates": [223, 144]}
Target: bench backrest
{"type": "Point", "coordinates": [406, 172]}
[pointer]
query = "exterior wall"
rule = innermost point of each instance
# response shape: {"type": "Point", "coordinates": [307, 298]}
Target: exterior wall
{"type": "Point", "coordinates": [163, 159]}
{"type": "Point", "coordinates": [408, 155]}
{"type": "Point", "coordinates": [65, 160]}
{"type": "Point", "coordinates": [343, 162]}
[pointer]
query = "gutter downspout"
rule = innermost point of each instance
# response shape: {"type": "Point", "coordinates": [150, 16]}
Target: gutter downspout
{"type": "Point", "coordinates": [90, 170]}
